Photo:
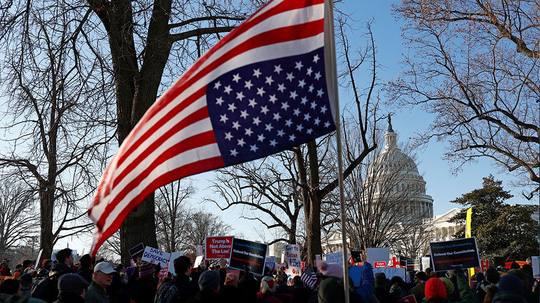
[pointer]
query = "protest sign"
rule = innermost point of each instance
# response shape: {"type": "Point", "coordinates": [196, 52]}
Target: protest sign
{"type": "Point", "coordinates": [250, 255]}
{"type": "Point", "coordinates": [391, 272]}
{"type": "Point", "coordinates": [174, 256]}
{"type": "Point", "coordinates": [379, 254]}
{"type": "Point", "coordinates": [218, 248]}
{"type": "Point", "coordinates": [407, 299]}
{"type": "Point", "coordinates": [535, 260]}
{"type": "Point", "coordinates": [334, 258]}
{"type": "Point", "coordinates": [292, 257]}
{"type": "Point", "coordinates": [156, 256]}
{"type": "Point", "coordinates": [270, 262]}
{"type": "Point", "coordinates": [426, 262]}
{"type": "Point", "coordinates": [379, 264]}
{"type": "Point", "coordinates": [448, 255]}
{"type": "Point", "coordinates": [136, 250]}
{"type": "Point", "coordinates": [37, 264]}
{"type": "Point", "coordinates": [199, 250]}
{"type": "Point", "coordinates": [198, 261]}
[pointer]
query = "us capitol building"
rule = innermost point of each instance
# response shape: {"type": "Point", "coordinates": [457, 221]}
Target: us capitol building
{"type": "Point", "coordinates": [396, 175]}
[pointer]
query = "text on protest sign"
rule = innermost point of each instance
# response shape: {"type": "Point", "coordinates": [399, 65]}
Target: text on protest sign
{"type": "Point", "coordinates": [448, 255]}
{"type": "Point", "coordinates": [334, 258]}
{"type": "Point", "coordinates": [248, 254]}
{"type": "Point", "coordinates": [156, 256]}
{"type": "Point", "coordinates": [292, 255]}
{"type": "Point", "coordinates": [218, 248]}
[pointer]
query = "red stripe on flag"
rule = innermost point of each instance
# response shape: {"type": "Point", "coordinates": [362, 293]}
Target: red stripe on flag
{"type": "Point", "coordinates": [188, 169]}
{"type": "Point", "coordinates": [202, 139]}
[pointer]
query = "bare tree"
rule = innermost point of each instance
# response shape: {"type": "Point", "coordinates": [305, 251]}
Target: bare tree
{"type": "Point", "coordinates": [149, 40]}
{"type": "Point", "coordinates": [55, 113]}
{"type": "Point", "coordinates": [266, 190]}
{"type": "Point", "coordinates": [387, 205]}
{"type": "Point", "coordinates": [172, 215]}
{"type": "Point", "coordinates": [306, 176]}
{"type": "Point", "coordinates": [18, 218]}
{"type": "Point", "coordinates": [475, 65]}
{"type": "Point", "coordinates": [142, 36]}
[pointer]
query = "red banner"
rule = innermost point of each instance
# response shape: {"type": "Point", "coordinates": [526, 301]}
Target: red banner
{"type": "Point", "coordinates": [379, 264]}
{"type": "Point", "coordinates": [218, 248]}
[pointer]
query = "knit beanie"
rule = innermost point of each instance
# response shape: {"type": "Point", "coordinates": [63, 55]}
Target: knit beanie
{"type": "Point", "coordinates": [209, 280]}
{"type": "Point", "coordinates": [435, 288]}
{"type": "Point", "coordinates": [333, 270]}
{"type": "Point", "coordinates": [511, 284]}
{"type": "Point", "coordinates": [146, 269]}
{"type": "Point", "coordinates": [448, 285]}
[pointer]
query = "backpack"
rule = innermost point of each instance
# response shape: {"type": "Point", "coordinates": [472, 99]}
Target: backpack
{"type": "Point", "coordinates": [167, 293]}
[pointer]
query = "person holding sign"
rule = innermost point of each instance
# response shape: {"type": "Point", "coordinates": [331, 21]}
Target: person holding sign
{"type": "Point", "coordinates": [435, 290]}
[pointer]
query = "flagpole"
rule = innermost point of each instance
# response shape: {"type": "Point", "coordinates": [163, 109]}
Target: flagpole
{"type": "Point", "coordinates": [330, 42]}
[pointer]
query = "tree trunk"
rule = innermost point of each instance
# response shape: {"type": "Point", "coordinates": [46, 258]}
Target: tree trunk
{"type": "Point", "coordinates": [46, 203]}
{"type": "Point", "coordinates": [138, 227]}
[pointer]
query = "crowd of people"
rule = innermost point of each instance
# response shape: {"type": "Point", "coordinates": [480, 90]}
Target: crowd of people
{"type": "Point", "coordinates": [64, 282]}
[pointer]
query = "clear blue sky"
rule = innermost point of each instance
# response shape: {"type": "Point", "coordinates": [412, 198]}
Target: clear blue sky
{"type": "Point", "coordinates": [442, 185]}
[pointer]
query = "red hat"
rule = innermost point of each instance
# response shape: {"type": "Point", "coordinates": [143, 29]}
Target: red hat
{"type": "Point", "coordinates": [435, 288]}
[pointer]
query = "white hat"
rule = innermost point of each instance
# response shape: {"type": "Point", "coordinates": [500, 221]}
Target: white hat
{"type": "Point", "coordinates": [104, 267]}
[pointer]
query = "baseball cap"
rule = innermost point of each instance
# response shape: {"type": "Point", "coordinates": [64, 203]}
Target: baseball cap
{"type": "Point", "coordinates": [104, 267]}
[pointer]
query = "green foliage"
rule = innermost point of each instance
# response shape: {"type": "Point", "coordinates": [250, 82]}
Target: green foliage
{"type": "Point", "coordinates": [500, 229]}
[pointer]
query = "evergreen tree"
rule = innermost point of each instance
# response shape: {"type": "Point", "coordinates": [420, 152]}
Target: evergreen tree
{"type": "Point", "coordinates": [500, 229]}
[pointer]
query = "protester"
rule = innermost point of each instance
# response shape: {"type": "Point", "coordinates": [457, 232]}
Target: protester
{"type": "Point", "coordinates": [267, 290]}
{"type": "Point", "coordinates": [102, 278]}
{"type": "Point", "coordinates": [283, 292]}
{"type": "Point", "coordinates": [332, 286]}
{"type": "Point", "coordinates": [26, 285]}
{"type": "Point", "coordinates": [399, 288]}
{"type": "Point", "coordinates": [9, 288]}
{"type": "Point", "coordinates": [420, 279]}
{"type": "Point", "coordinates": [47, 289]}
{"type": "Point", "coordinates": [382, 288]}
{"type": "Point", "coordinates": [86, 268]}
{"type": "Point", "coordinates": [144, 289]}
{"type": "Point", "coordinates": [185, 288]}
{"type": "Point", "coordinates": [72, 289]}
{"type": "Point", "coordinates": [208, 288]}
{"type": "Point", "coordinates": [491, 279]}
{"type": "Point", "coordinates": [65, 256]}
{"type": "Point", "coordinates": [510, 290]}
{"type": "Point", "coordinates": [301, 293]}
{"type": "Point", "coordinates": [4, 268]}
{"type": "Point", "coordinates": [435, 290]}
{"type": "Point", "coordinates": [10, 292]}
{"type": "Point", "coordinates": [229, 292]}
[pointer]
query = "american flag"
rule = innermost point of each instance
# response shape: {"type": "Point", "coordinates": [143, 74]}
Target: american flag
{"type": "Point", "coordinates": [309, 278]}
{"type": "Point", "coordinates": [261, 89]}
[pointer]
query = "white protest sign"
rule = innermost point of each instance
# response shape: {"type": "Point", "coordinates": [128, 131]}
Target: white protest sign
{"type": "Point", "coordinates": [270, 262]}
{"type": "Point", "coordinates": [426, 263]}
{"type": "Point", "coordinates": [198, 261]}
{"type": "Point", "coordinates": [334, 258]}
{"type": "Point", "coordinates": [381, 254]}
{"type": "Point", "coordinates": [292, 255]}
{"type": "Point", "coordinates": [174, 256]}
{"type": "Point", "coordinates": [391, 272]}
{"type": "Point", "coordinates": [536, 266]}
{"type": "Point", "coordinates": [156, 256]}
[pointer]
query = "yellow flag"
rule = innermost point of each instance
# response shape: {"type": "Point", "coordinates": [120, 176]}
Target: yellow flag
{"type": "Point", "coordinates": [468, 235]}
{"type": "Point", "coordinates": [468, 223]}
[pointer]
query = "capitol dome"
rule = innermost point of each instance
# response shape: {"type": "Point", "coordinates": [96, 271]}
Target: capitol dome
{"type": "Point", "coordinates": [396, 177]}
